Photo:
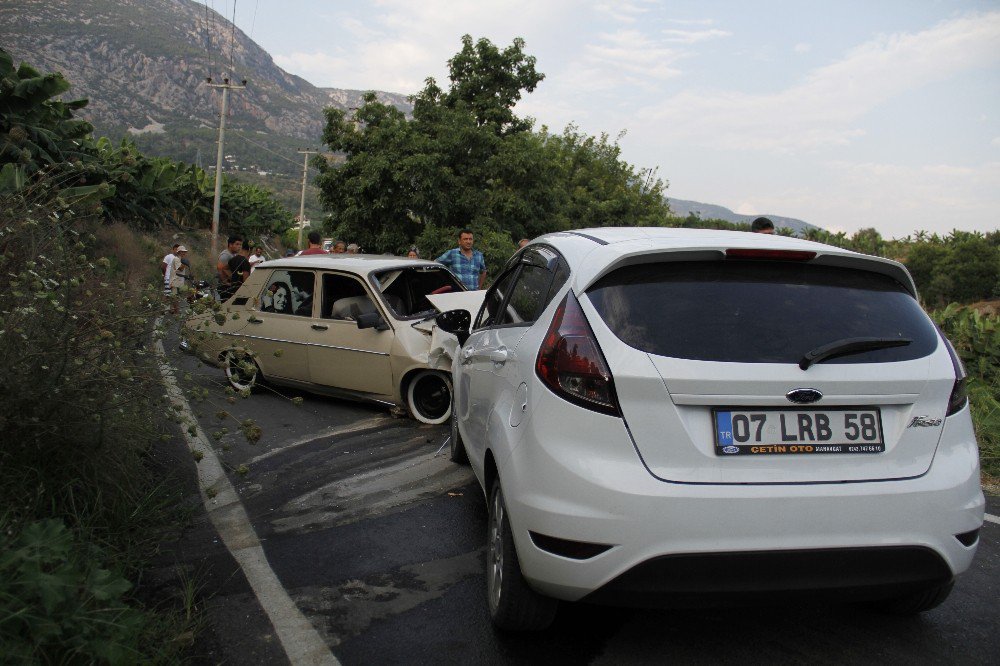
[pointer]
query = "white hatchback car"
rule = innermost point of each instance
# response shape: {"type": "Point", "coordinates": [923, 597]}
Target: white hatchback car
{"type": "Point", "coordinates": [673, 417]}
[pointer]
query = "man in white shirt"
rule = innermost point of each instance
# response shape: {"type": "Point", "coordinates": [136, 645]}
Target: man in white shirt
{"type": "Point", "coordinates": [256, 257]}
{"type": "Point", "coordinates": [167, 268]}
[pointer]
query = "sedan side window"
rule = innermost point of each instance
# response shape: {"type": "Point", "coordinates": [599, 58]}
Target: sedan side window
{"type": "Point", "coordinates": [344, 298]}
{"type": "Point", "coordinates": [289, 292]}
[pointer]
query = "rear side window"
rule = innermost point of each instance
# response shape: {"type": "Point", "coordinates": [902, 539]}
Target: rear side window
{"type": "Point", "coordinates": [759, 312]}
{"type": "Point", "coordinates": [289, 292]}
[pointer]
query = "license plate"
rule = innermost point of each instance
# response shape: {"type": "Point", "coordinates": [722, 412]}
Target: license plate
{"type": "Point", "coordinates": [797, 431]}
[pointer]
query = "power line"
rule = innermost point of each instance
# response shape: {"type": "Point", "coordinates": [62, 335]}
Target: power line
{"type": "Point", "coordinates": [241, 135]}
{"type": "Point", "coordinates": [208, 40]}
{"type": "Point", "coordinates": [253, 21]}
{"type": "Point", "coordinates": [232, 41]}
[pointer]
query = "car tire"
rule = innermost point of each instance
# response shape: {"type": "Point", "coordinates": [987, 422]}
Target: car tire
{"type": "Point", "coordinates": [916, 602]}
{"type": "Point", "coordinates": [241, 370]}
{"type": "Point", "coordinates": [513, 605]}
{"type": "Point", "coordinates": [428, 397]}
{"type": "Point", "coordinates": [457, 452]}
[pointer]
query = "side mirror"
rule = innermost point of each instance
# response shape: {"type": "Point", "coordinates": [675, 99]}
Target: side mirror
{"type": "Point", "coordinates": [456, 322]}
{"type": "Point", "coordinates": [372, 320]}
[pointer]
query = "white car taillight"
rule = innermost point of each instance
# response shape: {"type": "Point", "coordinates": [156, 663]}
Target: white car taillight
{"type": "Point", "coordinates": [960, 392]}
{"type": "Point", "coordinates": [570, 361]}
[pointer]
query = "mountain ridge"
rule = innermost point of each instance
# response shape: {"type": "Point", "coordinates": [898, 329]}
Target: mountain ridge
{"type": "Point", "coordinates": [706, 211]}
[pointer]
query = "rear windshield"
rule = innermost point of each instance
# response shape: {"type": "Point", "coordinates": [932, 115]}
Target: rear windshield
{"type": "Point", "coordinates": [759, 312]}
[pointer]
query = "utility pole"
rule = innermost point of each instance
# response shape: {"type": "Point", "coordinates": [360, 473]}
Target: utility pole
{"type": "Point", "coordinates": [302, 202]}
{"type": "Point", "coordinates": [226, 87]}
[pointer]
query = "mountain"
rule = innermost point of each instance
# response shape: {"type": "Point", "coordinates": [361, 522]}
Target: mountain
{"type": "Point", "coordinates": [143, 64]}
{"type": "Point", "coordinates": [683, 208]}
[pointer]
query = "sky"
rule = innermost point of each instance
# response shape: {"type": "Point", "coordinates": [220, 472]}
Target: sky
{"type": "Point", "coordinates": [847, 114]}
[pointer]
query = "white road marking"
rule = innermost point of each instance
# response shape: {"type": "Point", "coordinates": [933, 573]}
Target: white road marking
{"type": "Point", "coordinates": [328, 432]}
{"type": "Point", "coordinates": [302, 643]}
{"type": "Point", "coordinates": [993, 519]}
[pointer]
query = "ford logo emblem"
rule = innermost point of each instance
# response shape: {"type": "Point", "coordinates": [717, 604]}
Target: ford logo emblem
{"type": "Point", "coordinates": [803, 396]}
{"type": "Point", "coordinates": [731, 449]}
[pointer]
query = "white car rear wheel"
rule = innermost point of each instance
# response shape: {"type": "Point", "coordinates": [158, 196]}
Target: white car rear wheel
{"type": "Point", "coordinates": [513, 605]}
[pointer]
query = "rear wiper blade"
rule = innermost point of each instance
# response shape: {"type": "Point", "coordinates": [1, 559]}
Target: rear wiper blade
{"type": "Point", "coordinates": [849, 346]}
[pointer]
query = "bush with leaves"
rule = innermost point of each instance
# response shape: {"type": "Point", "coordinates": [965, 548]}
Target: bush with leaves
{"type": "Point", "coordinates": [976, 338]}
{"type": "Point", "coordinates": [80, 406]}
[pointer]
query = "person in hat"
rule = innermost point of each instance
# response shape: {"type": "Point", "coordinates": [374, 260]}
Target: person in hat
{"type": "Point", "coordinates": [178, 277]}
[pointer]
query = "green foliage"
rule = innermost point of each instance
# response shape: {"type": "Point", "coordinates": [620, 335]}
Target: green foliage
{"type": "Point", "coordinates": [252, 211]}
{"type": "Point", "coordinates": [976, 338]}
{"type": "Point", "coordinates": [486, 83]}
{"type": "Point", "coordinates": [962, 267]}
{"type": "Point", "coordinates": [78, 408]}
{"type": "Point", "coordinates": [41, 142]}
{"type": "Point", "coordinates": [57, 603]}
{"type": "Point", "coordinates": [465, 160]}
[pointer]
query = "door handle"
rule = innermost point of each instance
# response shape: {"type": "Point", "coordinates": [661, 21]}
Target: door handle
{"type": "Point", "coordinates": [499, 355]}
{"type": "Point", "coordinates": [254, 320]}
{"type": "Point", "coordinates": [320, 327]}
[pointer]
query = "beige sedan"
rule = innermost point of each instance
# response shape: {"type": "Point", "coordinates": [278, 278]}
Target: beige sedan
{"type": "Point", "coordinates": [357, 326]}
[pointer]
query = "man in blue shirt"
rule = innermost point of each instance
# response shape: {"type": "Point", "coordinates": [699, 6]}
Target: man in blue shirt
{"type": "Point", "coordinates": [467, 264]}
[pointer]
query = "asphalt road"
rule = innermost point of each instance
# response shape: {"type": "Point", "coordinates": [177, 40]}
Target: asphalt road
{"type": "Point", "coordinates": [379, 540]}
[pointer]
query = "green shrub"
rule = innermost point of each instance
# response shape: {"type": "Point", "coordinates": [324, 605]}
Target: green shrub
{"type": "Point", "coordinates": [80, 406]}
{"type": "Point", "coordinates": [976, 338]}
{"type": "Point", "coordinates": [58, 604]}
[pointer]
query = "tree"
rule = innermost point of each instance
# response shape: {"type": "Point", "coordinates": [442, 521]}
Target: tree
{"type": "Point", "coordinates": [466, 160]}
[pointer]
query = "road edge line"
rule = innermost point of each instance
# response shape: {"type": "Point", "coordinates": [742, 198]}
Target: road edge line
{"type": "Point", "coordinates": [992, 519]}
{"type": "Point", "coordinates": [298, 637]}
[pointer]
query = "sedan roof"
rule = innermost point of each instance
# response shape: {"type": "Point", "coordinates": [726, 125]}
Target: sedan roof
{"type": "Point", "coordinates": [362, 264]}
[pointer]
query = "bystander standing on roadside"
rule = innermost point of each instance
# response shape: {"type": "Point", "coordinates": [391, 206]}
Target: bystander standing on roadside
{"type": "Point", "coordinates": [167, 266]}
{"type": "Point", "coordinates": [762, 225]}
{"type": "Point", "coordinates": [521, 243]}
{"type": "Point", "coordinates": [467, 264]}
{"type": "Point", "coordinates": [413, 253]}
{"type": "Point", "coordinates": [340, 247]}
{"type": "Point", "coordinates": [353, 248]}
{"type": "Point", "coordinates": [315, 245]}
{"type": "Point", "coordinates": [233, 245]}
{"type": "Point", "coordinates": [239, 269]}
{"type": "Point", "coordinates": [178, 278]}
{"type": "Point", "coordinates": [256, 257]}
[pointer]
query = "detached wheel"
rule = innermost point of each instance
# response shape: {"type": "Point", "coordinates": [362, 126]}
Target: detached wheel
{"type": "Point", "coordinates": [241, 370]}
{"type": "Point", "coordinates": [513, 605]}
{"type": "Point", "coordinates": [457, 454]}
{"type": "Point", "coordinates": [428, 397]}
{"type": "Point", "coordinates": [916, 602]}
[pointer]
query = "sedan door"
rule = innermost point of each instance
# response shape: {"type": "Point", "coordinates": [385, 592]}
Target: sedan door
{"type": "Point", "coordinates": [277, 330]}
{"type": "Point", "coordinates": [341, 355]}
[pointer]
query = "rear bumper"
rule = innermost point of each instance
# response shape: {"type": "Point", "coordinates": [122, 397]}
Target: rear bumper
{"type": "Point", "coordinates": [681, 540]}
{"type": "Point", "coordinates": [705, 579]}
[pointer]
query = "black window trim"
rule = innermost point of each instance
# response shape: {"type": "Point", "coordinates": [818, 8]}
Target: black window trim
{"type": "Point", "coordinates": [517, 262]}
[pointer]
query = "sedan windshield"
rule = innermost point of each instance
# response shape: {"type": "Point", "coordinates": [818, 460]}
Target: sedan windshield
{"type": "Point", "coordinates": [405, 290]}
